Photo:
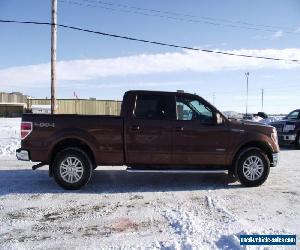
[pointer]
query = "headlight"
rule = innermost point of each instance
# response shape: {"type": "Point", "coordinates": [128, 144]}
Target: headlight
{"type": "Point", "coordinates": [288, 128]}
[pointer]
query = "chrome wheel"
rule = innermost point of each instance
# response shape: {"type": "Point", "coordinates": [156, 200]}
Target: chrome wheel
{"type": "Point", "coordinates": [253, 168]}
{"type": "Point", "coordinates": [71, 169]}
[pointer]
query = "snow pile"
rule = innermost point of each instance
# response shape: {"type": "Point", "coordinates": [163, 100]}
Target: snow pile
{"type": "Point", "coordinates": [9, 137]}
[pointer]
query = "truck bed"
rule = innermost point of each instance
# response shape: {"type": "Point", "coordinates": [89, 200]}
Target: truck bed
{"type": "Point", "coordinates": [102, 133]}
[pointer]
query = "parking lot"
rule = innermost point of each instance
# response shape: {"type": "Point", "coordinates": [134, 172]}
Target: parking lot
{"type": "Point", "coordinates": [145, 210]}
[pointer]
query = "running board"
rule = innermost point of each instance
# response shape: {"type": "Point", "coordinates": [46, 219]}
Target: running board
{"type": "Point", "coordinates": [176, 171]}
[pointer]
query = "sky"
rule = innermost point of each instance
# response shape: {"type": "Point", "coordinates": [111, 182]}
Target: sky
{"type": "Point", "coordinates": [104, 67]}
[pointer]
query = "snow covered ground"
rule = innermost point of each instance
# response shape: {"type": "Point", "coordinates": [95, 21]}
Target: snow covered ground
{"type": "Point", "coordinates": [141, 211]}
{"type": "Point", "coordinates": [9, 137]}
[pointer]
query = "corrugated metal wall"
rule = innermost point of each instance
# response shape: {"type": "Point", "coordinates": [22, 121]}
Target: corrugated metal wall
{"type": "Point", "coordinates": [82, 106]}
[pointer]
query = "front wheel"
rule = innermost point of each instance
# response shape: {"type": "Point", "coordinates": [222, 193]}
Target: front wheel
{"type": "Point", "coordinates": [253, 167]}
{"type": "Point", "coordinates": [72, 168]}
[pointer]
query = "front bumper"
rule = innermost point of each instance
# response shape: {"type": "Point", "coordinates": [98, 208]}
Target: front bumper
{"type": "Point", "coordinates": [22, 154]}
{"type": "Point", "coordinates": [275, 157]}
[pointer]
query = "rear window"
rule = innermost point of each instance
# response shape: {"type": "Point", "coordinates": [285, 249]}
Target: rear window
{"type": "Point", "coordinates": [155, 107]}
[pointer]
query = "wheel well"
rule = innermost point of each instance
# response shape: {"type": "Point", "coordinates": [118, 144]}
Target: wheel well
{"type": "Point", "coordinates": [255, 144]}
{"type": "Point", "coordinates": [71, 142]}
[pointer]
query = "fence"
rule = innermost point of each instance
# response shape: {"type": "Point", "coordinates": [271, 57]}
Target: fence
{"type": "Point", "coordinates": [81, 106]}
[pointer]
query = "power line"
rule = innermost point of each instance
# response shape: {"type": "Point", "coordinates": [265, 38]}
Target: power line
{"type": "Point", "coordinates": [182, 14]}
{"type": "Point", "coordinates": [180, 17]}
{"type": "Point", "coordinates": [152, 42]}
{"type": "Point", "coordinates": [292, 30]}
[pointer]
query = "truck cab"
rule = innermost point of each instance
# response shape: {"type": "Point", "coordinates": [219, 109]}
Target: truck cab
{"type": "Point", "coordinates": [174, 129]}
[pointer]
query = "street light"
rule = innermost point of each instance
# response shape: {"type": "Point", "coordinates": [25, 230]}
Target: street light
{"type": "Point", "coordinates": [247, 78]}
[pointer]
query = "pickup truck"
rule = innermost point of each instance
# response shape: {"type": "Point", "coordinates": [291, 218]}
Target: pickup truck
{"type": "Point", "coordinates": [156, 131]}
{"type": "Point", "coordinates": [288, 129]}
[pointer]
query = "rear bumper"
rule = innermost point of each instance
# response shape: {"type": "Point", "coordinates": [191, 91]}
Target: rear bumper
{"type": "Point", "coordinates": [22, 154]}
{"type": "Point", "coordinates": [275, 157]}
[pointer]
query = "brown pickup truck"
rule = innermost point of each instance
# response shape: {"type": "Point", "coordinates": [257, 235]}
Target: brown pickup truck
{"type": "Point", "coordinates": [156, 131]}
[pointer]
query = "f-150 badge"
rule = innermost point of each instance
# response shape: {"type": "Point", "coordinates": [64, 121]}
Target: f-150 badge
{"type": "Point", "coordinates": [44, 124]}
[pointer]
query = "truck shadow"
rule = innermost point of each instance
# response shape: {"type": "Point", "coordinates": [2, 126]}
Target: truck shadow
{"type": "Point", "coordinates": [112, 181]}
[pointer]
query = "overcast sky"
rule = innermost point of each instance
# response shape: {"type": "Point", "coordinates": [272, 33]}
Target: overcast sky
{"type": "Point", "coordinates": [103, 67]}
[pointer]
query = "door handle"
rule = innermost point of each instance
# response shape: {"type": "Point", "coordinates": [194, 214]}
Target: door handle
{"type": "Point", "coordinates": [179, 129]}
{"type": "Point", "coordinates": [135, 127]}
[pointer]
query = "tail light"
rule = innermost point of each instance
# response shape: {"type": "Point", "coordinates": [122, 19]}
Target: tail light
{"type": "Point", "coordinates": [26, 129]}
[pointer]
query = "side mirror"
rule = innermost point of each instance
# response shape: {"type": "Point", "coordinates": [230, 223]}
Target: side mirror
{"type": "Point", "coordinates": [219, 119]}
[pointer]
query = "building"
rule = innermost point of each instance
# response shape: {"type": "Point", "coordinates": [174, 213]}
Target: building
{"type": "Point", "coordinates": [14, 104]}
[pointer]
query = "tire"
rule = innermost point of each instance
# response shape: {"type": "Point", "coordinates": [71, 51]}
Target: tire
{"type": "Point", "coordinates": [72, 168]}
{"type": "Point", "coordinates": [252, 159]}
{"type": "Point", "coordinates": [297, 142]}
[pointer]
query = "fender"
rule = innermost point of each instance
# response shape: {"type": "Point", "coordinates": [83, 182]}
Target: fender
{"type": "Point", "coordinates": [252, 139]}
{"type": "Point", "coordinates": [71, 133]}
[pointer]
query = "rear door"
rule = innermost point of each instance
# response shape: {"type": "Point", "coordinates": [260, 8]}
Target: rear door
{"type": "Point", "coordinates": [197, 138]}
{"type": "Point", "coordinates": [149, 130]}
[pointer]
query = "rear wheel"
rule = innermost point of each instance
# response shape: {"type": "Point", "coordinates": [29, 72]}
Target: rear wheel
{"type": "Point", "coordinates": [253, 167]}
{"type": "Point", "coordinates": [72, 168]}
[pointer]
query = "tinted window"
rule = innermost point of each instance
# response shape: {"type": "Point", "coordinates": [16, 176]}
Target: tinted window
{"type": "Point", "coordinates": [154, 107]}
{"type": "Point", "coordinates": [193, 109]}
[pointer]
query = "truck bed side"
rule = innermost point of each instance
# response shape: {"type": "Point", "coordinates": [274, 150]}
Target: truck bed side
{"type": "Point", "coordinates": [102, 135]}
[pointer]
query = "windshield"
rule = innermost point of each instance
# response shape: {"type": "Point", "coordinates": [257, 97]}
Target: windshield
{"type": "Point", "coordinates": [294, 115]}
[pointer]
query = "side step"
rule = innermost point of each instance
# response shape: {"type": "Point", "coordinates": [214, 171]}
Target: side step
{"type": "Point", "coordinates": [176, 171]}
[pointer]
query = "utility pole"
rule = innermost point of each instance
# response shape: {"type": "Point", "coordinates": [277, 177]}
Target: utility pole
{"type": "Point", "coordinates": [262, 100]}
{"type": "Point", "coordinates": [214, 98]}
{"type": "Point", "coordinates": [247, 77]}
{"type": "Point", "coordinates": [53, 55]}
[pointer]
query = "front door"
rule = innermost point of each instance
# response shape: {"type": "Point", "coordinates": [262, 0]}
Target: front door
{"type": "Point", "coordinates": [149, 132]}
{"type": "Point", "coordinates": [197, 138]}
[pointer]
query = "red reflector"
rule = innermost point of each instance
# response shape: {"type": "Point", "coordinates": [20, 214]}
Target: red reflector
{"type": "Point", "coordinates": [26, 128]}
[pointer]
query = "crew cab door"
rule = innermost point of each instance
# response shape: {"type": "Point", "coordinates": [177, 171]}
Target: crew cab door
{"type": "Point", "coordinates": [149, 131]}
{"type": "Point", "coordinates": [197, 138]}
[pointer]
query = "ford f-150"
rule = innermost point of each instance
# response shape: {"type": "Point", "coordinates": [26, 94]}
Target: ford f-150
{"type": "Point", "coordinates": [156, 131]}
